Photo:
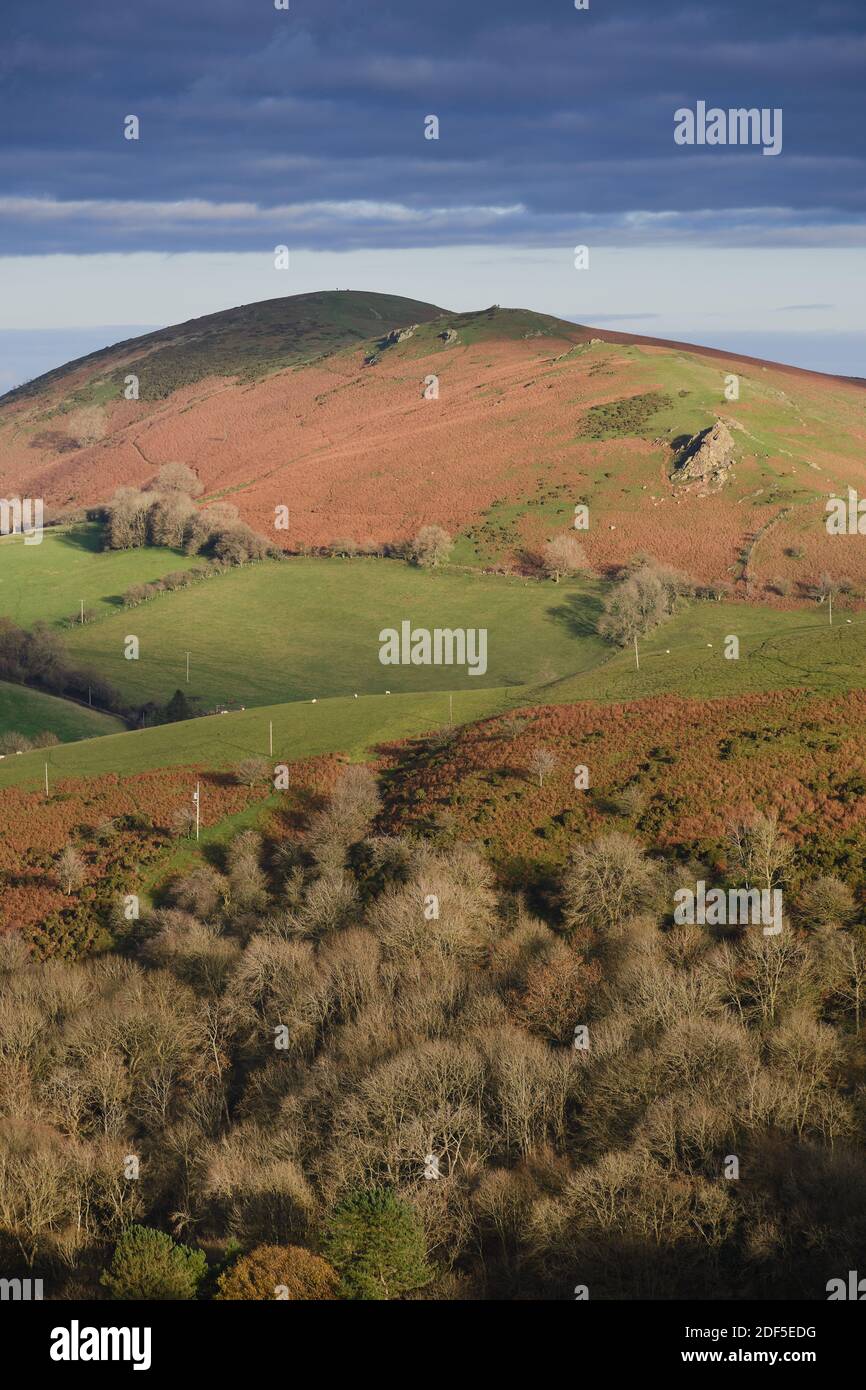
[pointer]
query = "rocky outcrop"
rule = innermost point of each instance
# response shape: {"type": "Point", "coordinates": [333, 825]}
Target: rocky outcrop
{"type": "Point", "coordinates": [707, 457]}
{"type": "Point", "coordinates": [449, 336]}
{"type": "Point", "coordinates": [399, 335]}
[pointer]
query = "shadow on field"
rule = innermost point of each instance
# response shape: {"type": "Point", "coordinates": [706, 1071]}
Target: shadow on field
{"type": "Point", "coordinates": [579, 612]}
{"type": "Point", "coordinates": [85, 537]}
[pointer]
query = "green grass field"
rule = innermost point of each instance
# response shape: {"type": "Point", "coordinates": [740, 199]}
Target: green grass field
{"type": "Point", "coordinates": [220, 740]}
{"type": "Point", "coordinates": [30, 712]}
{"type": "Point", "coordinates": [277, 635]}
{"type": "Point", "coordinates": [46, 583]}
{"type": "Point", "coordinates": [778, 650]}
{"type": "Point", "coordinates": [304, 628]}
{"type": "Point", "coordinates": [797, 652]}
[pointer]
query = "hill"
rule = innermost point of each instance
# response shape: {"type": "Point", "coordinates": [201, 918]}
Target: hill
{"type": "Point", "coordinates": [315, 403]}
{"type": "Point", "coordinates": [244, 342]}
{"type": "Point", "coordinates": [32, 712]}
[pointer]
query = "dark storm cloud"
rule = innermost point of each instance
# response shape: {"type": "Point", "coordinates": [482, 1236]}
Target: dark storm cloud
{"type": "Point", "coordinates": [306, 126]}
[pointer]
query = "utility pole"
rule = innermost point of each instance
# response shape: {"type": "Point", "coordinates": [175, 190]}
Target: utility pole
{"type": "Point", "coordinates": [46, 781]}
{"type": "Point", "coordinates": [271, 737]}
{"type": "Point", "coordinates": [196, 796]}
{"type": "Point", "coordinates": [636, 657]}
{"type": "Point", "coordinates": [187, 668]}
{"type": "Point", "coordinates": [830, 596]}
{"type": "Point", "coordinates": [82, 612]}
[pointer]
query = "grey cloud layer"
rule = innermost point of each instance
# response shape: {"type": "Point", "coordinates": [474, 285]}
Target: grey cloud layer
{"type": "Point", "coordinates": [307, 126]}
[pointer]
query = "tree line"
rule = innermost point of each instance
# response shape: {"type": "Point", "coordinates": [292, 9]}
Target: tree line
{"type": "Point", "coordinates": [347, 1064]}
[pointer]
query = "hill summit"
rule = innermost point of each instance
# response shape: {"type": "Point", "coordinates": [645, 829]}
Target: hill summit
{"type": "Point", "coordinates": [368, 416]}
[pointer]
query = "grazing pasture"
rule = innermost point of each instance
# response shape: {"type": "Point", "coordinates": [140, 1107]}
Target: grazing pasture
{"type": "Point", "coordinates": [32, 712]}
{"type": "Point", "coordinates": [309, 628]}
{"type": "Point", "coordinates": [46, 582]}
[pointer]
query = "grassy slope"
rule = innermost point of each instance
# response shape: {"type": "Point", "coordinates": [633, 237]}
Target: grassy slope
{"type": "Point", "coordinates": [300, 730]}
{"type": "Point", "coordinates": [300, 629]}
{"type": "Point", "coordinates": [783, 429]}
{"type": "Point", "coordinates": [808, 653]}
{"type": "Point", "coordinates": [304, 628]}
{"type": "Point", "coordinates": [778, 650]}
{"type": "Point", "coordinates": [31, 712]}
{"type": "Point", "coordinates": [47, 582]}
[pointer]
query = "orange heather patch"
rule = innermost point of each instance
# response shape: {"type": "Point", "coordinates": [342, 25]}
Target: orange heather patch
{"type": "Point", "coordinates": [690, 767]}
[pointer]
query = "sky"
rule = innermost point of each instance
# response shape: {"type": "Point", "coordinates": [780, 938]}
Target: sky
{"type": "Point", "coordinates": [305, 127]}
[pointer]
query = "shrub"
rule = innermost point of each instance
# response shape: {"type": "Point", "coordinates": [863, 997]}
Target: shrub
{"type": "Point", "coordinates": [148, 1265]}
{"type": "Point", "coordinates": [176, 579]}
{"type": "Point", "coordinates": [431, 547]}
{"type": "Point", "coordinates": [176, 477]}
{"type": "Point", "coordinates": [13, 742]}
{"type": "Point", "coordinates": [251, 772]}
{"type": "Point", "coordinates": [46, 739]}
{"type": "Point", "coordinates": [239, 544]}
{"type": "Point", "coordinates": [279, 1271]}
{"type": "Point", "coordinates": [564, 555]}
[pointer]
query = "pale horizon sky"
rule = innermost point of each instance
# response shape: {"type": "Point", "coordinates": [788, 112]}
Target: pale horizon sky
{"type": "Point", "coordinates": [799, 305]}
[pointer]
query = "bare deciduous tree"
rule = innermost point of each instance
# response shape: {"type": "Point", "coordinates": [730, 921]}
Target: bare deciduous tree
{"type": "Point", "coordinates": [70, 869]}
{"type": "Point", "coordinates": [607, 882]}
{"type": "Point", "coordinates": [431, 547]}
{"type": "Point", "coordinates": [761, 851]}
{"type": "Point", "coordinates": [252, 772]}
{"type": "Point", "coordinates": [541, 763]}
{"type": "Point", "coordinates": [564, 555]}
{"type": "Point", "coordinates": [183, 820]}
